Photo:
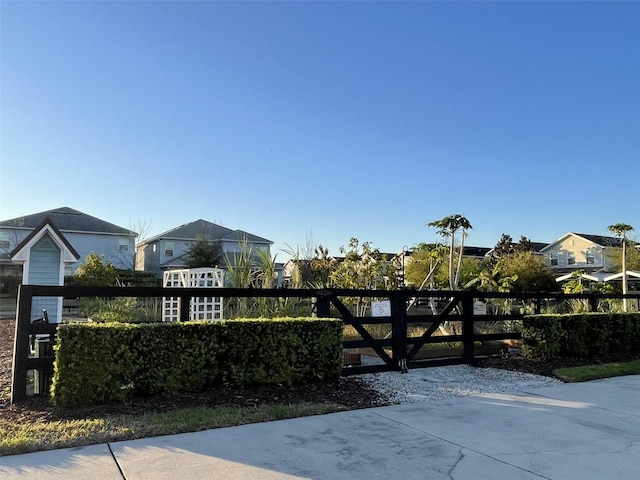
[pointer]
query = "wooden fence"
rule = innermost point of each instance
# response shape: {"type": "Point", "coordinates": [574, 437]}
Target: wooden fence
{"type": "Point", "coordinates": [396, 350]}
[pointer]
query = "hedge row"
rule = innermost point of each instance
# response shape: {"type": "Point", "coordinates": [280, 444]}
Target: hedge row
{"type": "Point", "coordinates": [586, 335]}
{"type": "Point", "coordinates": [104, 362]}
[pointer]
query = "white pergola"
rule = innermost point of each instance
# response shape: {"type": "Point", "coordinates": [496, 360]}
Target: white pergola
{"type": "Point", "coordinates": [594, 277]}
{"type": "Point", "coordinates": [631, 275]}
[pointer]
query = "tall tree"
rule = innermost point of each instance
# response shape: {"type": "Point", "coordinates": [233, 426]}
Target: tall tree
{"type": "Point", "coordinates": [506, 246]}
{"type": "Point", "coordinates": [503, 247]}
{"type": "Point", "coordinates": [524, 245]}
{"type": "Point", "coordinates": [632, 254]}
{"type": "Point", "coordinates": [204, 253]}
{"type": "Point", "coordinates": [448, 227]}
{"type": "Point", "coordinates": [426, 259]}
{"type": "Point", "coordinates": [621, 230]}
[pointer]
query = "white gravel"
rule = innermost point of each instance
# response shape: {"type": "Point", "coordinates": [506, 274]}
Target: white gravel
{"type": "Point", "coordinates": [437, 383]}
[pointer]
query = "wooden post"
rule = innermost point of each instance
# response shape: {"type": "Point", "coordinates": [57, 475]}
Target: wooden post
{"type": "Point", "coordinates": [321, 305]}
{"type": "Point", "coordinates": [185, 304]}
{"type": "Point", "coordinates": [21, 346]}
{"type": "Point", "coordinates": [467, 329]}
{"type": "Point", "coordinates": [399, 330]}
{"type": "Point", "coordinates": [593, 302]}
{"type": "Point", "coordinates": [537, 303]}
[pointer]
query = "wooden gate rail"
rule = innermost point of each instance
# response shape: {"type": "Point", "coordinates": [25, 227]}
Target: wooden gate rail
{"type": "Point", "coordinates": [403, 348]}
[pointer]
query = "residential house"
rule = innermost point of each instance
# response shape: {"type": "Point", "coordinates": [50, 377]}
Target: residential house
{"type": "Point", "coordinates": [168, 250]}
{"type": "Point", "coordinates": [475, 252]}
{"type": "Point", "coordinates": [537, 248]}
{"type": "Point", "coordinates": [579, 251]}
{"type": "Point", "coordinates": [43, 255]}
{"type": "Point", "coordinates": [86, 234]}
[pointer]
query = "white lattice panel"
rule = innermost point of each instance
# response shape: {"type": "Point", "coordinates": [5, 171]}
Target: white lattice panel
{"type": "Point", "coordinates": [200, 308]}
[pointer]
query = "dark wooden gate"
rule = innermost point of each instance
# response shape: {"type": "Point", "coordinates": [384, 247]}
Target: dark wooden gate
{"type": "Point", "coordinates": [397, 350]}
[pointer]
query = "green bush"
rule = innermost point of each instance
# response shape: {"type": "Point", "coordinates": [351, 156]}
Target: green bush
{"type": "Point", "coordinates": [541, 336]}
{"type": "Point", "coordinates": [177, 357]}
{"type": "Point", "coordinates": [282, 351]}
{"type": "Point", "coordinates": [94, 363]}
{"type": "Point", "coordinates": [104, 362]}
{"type": "Point", "coordinates": [586, 335]}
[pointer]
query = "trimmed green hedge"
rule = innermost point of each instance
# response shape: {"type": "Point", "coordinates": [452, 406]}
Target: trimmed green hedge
{"type": "Point", "coordinates": [104, 362]}
{"type": "Point", "coordinates": [586, 335]}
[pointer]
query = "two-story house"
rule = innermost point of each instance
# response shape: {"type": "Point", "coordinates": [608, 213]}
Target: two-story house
{"type": "Point", "coordinates": [579, 251]}
{"type": "Point", "coordinates": [168, 250]}
{"type": "Point", "coordinates": [85, 233]}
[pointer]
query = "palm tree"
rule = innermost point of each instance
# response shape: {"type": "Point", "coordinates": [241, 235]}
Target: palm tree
{"type": "Point", "coordinates": [621, 230]}
{"type": "Point", "coordinates": [448, 227]}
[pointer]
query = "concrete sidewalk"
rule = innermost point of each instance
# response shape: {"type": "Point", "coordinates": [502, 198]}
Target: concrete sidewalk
{"type": "Point", "coordinates": [586, 430]}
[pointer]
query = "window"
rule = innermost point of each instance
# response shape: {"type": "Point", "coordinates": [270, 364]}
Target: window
{"type": "Point", "coordinates": [571, 258]}
{"type": "Point", "coordinates": [591, 259]}
{"type": "Point", "coordinates": [4, 239]}
{"type": "Point", "coordinates": [123, 245]}
{"type": "Point", "coordinates": [553, 258]}
{"type": "Point", "coordinates": [168, 249]}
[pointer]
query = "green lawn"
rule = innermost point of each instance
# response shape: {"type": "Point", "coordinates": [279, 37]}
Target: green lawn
{"type": "Point", "coordinates": [594, 372]}
{"type": "Point", "coordinates": [46, 435]}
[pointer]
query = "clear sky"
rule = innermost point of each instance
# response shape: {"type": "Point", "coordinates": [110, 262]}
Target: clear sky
{"type": "Point", "coordinates": [327, 120]}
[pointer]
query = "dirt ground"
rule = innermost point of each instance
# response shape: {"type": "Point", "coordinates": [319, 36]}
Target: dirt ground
{"type": "Point", "coordinates": [7, 331]}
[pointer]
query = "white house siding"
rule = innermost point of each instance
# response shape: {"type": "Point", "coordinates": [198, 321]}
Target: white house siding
{"type": "Point", "coordinates": [44, 269]}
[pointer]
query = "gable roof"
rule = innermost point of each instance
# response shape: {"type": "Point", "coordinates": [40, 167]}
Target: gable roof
{"type": "Point", "coordinates": [537, 246]}
{"type": "Point", "coordinates": [239, 235]}
{"type": "Point", "coordinates": [21, 252]}
{"type": "Point", "coordinates": [208, 230]}
{"type": "Point", "coordinates": [601, 240]}
{"type": "Point", "coordinates": [66, 220]}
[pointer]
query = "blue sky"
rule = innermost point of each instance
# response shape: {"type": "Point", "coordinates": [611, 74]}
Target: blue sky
{"type": "Point", "coordinates": [327, 120]}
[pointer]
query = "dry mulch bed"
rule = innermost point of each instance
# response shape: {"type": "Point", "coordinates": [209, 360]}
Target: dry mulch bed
{"type": "Point", "coordinates": [349, 392]}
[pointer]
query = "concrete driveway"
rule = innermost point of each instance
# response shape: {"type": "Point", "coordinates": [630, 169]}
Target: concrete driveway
{"type": "Point", "coordinates": [571, 431]}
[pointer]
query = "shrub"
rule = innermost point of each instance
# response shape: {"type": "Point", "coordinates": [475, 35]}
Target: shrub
{"type": "Point", "coordinates": [586, 335]}
{"type": "Point", "coordinates": [104, 362]}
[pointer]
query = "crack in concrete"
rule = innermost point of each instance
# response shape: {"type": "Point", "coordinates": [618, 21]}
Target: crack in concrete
{"type": "Point", "coordinates": [116, 462]}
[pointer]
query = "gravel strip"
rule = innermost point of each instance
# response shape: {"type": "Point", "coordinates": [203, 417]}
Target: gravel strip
{"type": "Point", "coordinates": [438, 383]}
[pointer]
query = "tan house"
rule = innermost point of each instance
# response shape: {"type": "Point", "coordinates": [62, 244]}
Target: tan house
{"type": "Point", "coordinates": [579, 251]}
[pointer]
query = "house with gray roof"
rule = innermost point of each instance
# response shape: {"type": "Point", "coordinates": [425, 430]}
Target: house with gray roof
{"type": "Point", "coordinates": [84, 233]}
{"type": "Point", "coordinates": [168, 250]}
{"type": "Point", "coordinates": [580, 251]}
